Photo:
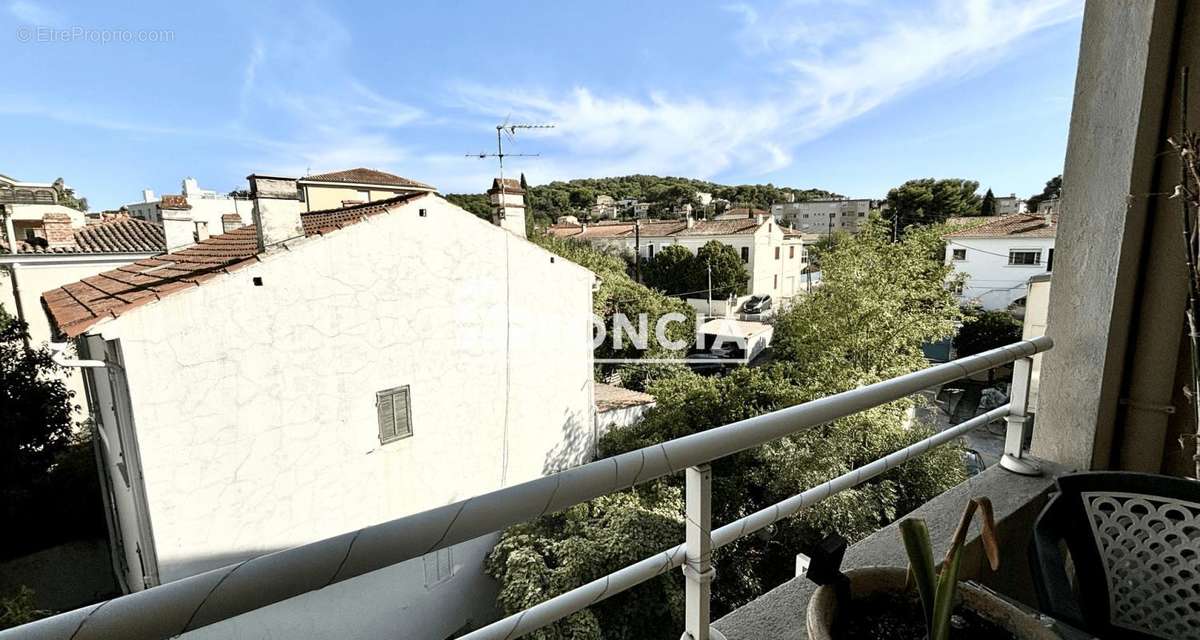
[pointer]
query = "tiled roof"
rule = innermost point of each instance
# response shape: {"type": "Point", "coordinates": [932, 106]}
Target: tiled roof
{"type": "Point", "coordinates": [510, 185]}
{"type": "Point", "coordinates": [362, 175]}
{"type": "Point", "coordinates": [1024, 225]}
{"type": "Point", "coordinates": [721, 227]}
{"type": "Point", "coordinates": [128, 235]}
{"type": "Point", "coordinates": [609, 397]}
{"type": "Point", "coordinates": [76, 307]}
{"type": "Point", "coordinates": [741, 212]}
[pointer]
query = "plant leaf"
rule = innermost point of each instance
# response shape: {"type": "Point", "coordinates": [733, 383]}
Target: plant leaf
{"type": "Point", "coordinates": [960, 533]}
{"type": "Point", "coordinates": [943, 606]}
{"type": "Point", "coordinates": [991, 541]}
{"type": "Point", "coordinates": [920, 562]}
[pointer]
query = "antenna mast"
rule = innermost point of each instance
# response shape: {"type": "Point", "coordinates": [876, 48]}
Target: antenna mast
{"type": "Point", "coordinates": [508, 129]}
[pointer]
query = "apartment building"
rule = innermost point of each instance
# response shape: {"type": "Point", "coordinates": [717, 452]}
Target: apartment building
{"type": "Point", "coordinates": [823, 216]}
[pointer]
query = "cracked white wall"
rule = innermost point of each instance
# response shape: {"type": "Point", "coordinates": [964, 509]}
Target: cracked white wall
{"type": "Point", "coordinates": [254, 406]}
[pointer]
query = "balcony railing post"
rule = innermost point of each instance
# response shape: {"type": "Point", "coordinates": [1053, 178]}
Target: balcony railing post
{"type": "Point", "coordinates": [697, 568]}
{"type": "Point", "coordinates": [1019, 421]}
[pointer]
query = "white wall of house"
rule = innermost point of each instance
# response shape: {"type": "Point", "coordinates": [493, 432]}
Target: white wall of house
{"type": "Point", "coordinates": [991, 281]}
{"type": "Point", "coordinates": [267, 437]}
{"type": "Point", "coordinates": [822, 216]}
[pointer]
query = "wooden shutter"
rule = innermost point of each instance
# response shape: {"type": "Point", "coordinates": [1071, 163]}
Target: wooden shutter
{"type": "Point", "coordinates": [395, 417]}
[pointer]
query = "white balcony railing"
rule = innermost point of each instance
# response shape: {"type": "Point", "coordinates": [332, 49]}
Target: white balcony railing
{"type": "Point", "coordinates": [191, 603]}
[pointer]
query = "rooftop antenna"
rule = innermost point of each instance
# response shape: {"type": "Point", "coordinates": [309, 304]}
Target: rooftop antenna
{"type": "Point", "coordinates": [508, 129]}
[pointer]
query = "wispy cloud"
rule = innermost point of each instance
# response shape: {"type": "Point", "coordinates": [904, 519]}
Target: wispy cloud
{"type": "Point", "coordinates": [836, 60]}
{"type": "Point", "coordinates": [33, 13]}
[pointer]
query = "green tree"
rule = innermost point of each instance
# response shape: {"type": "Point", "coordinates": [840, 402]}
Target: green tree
{"type": "Point", "coordinates": [877, 304]}
{"type": "Point", "coordinates": [67, 197]}
{"type": "Point", "coordinates": [1051, 191]}
{"type": "Point", "coordinates": [984, 330]}
{"type": "Point", "coordinates": [672, 270]}
{"type": "Point", "coordinates": [729, 273]}
{"type": "Point", "coordinates": [988, 207]}
{"type": "Point", "coordinates": [874, 327]}
{"type": "Point", "coordinates": [556, 553]}
{"type": "Point", "coordinates": [931, 201]}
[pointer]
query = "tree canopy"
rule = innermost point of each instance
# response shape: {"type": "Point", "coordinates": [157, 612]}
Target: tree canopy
{"type": "Point", "coordinates": [674, 270]}
{"type": "Point", "coordinates": [983, 330]}
{"type": "Point", "coordinates": [930, 201]}
{"type": "Point", "coordinates": [1051, 191]}
{"type": "Point", "coordinates": [988, 207]}
{"type": "Point", "coordinates": [859, 327]}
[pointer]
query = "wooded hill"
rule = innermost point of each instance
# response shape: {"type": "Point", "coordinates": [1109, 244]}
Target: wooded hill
{"type": "Point", "coordinates": [574, 197]}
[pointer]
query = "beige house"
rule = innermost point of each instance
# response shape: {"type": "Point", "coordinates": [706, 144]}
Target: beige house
{"type": "Point", "coordinates": [354, 186]}
{"type": "Point", "coordinates": [774, 255]}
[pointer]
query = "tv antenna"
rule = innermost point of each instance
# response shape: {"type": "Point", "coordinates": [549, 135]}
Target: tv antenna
{"type": "Point", "coordinates": [509, 130]}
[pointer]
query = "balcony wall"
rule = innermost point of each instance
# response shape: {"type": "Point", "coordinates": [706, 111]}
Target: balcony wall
{"type": "Point", "coordinates": [780, 614]}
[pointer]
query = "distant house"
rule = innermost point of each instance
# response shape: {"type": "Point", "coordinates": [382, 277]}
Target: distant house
{"type": "Point", "coordinates": [354, 186]}
{"type": "Point", "coordinates": [317, 372]}
{"type": "Point", "coordinates": [999, 255]}
{"type": "Point", "coordinates": [1008, 204]}
{"type": "Point", "coordinates": [617, 407]}
{"type": "Point", "coordinates": [774, 255]}
{"type": "Point", "coordinates": [823, 216]}
{"type": "Point", "coordinates": [604, 207]}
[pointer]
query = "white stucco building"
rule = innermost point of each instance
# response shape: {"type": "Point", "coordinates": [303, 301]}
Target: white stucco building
{"type": "Point", "coordinates": [193, 205]}
{"type": "Point", "coordinates": [319, 372]}
{"type": "Point", "coordinates": [774, 255]}
{"type": "Point", "coordinates": [823, 216]}
{"type": "Point", "coordinates": [999, 257]}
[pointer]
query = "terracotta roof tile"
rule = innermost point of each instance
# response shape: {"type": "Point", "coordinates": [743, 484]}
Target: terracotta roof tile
{"type": "Point", "coordinates": [77, 306]}
{"type": "Point", "coordinates": [362, 175]}
{"type": "Point", "coordinates": [128, 235]}
{"type": "Point", "coordinates": [656, 228]}
{"type": "Point", "coordinates": [1023, 225]}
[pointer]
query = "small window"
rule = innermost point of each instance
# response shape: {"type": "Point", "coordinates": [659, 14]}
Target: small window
{"type": "Point", "coordinates": [776, 285]}
{"type": "Point", "coordinates": [1024, 258]}
{"type": "Point", "coordinates": [776, 253]}
{"type": "Point", "coordinates": [861, 214]}
{"type": "Point", "coordinates": [791, 252]}
{"type": "Point", "coordinates": [395, 416]}
{"type": "Point", "coordinates": [960, 254]}
{"type": "Point", "coordinates": [1050, 260]}
{"type": "Point", "coordinates": [439, 566]}
{"type": "Point", "coordinates": [651, 248]}
{"type": "Point", "coordinates": [745, 254]}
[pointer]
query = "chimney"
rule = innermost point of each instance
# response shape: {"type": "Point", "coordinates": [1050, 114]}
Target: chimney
{"type": "Point", "coordinates": [147, 195]}
{"type": "Point", "coordinates": [179, 230]}
{"type": "Point", "coordinates": [230, 221]}
{"type": "Point", "coordinates": [508, 205]}
{"type": "Point", "coordinates": [276, 210]}
{"type": "Point", "coordinates": [57, 227]}
{"type": "Point", "coordinates": [201, 230]}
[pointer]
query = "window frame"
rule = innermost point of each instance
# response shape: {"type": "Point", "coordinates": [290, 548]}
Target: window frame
{"type": "Point", "coordinates": [1037, 253]}
{"type": "Point", "coordinates": [955, 257]}
{"type": "Point", "coordinates": [392, 393]}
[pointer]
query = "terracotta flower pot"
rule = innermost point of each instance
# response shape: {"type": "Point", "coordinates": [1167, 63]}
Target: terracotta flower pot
{"type": "Point", "coordinates": [871, 580]}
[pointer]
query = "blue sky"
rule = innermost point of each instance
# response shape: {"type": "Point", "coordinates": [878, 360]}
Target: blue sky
{"type": "Point", "coordinates": [846, 95]}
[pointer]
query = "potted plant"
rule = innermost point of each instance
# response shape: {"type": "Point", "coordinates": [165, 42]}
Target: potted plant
{"type": "Point", "coordinates": [881, 602]}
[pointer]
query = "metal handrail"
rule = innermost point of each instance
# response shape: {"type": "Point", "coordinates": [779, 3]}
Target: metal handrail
{"type": "Point", "coordinates": [197, 601]}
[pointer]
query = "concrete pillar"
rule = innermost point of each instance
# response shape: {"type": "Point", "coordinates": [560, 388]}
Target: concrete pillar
{"type": "Point", "coordinates": [1121, 91]}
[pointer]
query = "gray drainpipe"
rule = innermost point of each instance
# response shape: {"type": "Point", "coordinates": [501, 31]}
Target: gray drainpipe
{"type": "Point", "coordinates": [11, 236]}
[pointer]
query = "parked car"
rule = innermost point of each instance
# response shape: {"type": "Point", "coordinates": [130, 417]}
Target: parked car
{"type": "Point", "coordinates": [715, 361]}
{"type": "Point", "coordinates": [757, 304]}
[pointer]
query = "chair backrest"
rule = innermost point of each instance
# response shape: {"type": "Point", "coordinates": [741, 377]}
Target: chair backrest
{"type": "Point", "coordinates": [1134, 540]}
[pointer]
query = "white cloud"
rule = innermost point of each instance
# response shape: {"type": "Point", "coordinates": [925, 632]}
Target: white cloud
{"type": "Point", "coordinates": [33, 13]}
{"type": "Point", "coordinates": [840, 60]}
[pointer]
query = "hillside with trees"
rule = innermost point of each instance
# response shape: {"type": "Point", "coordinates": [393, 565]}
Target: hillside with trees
{"type": "Point", "coordinates": [574, 197]}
